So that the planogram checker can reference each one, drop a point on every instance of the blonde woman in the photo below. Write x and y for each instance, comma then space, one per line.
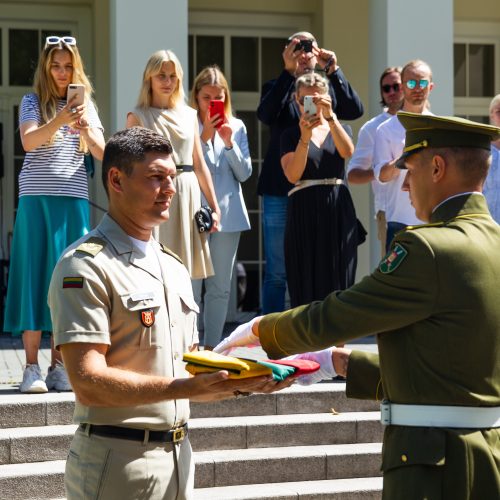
225, 149
53, 206
161, 107
322, 233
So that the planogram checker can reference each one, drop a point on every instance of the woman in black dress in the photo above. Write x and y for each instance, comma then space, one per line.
322, 232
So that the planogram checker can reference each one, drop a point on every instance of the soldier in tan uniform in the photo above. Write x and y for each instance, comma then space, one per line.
123, 314
434, 303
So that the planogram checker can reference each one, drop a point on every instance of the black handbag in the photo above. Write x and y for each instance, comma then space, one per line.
203, 219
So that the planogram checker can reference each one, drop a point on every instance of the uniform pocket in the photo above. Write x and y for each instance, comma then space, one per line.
408, 446
141, 311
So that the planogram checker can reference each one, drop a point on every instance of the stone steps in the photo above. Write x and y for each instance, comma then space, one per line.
34, 444
46, 480
278, 446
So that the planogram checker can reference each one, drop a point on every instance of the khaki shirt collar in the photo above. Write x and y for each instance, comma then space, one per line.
122, 245
463, 204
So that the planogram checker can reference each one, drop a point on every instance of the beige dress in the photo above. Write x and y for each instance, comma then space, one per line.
180, 233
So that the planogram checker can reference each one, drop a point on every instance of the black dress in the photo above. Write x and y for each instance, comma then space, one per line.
322, 232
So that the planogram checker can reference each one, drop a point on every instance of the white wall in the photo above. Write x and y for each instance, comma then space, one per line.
137, 29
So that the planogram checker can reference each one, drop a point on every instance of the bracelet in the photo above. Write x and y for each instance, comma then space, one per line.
306, 144
228, 149
329, 119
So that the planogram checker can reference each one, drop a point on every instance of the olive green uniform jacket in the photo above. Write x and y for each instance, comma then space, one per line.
434, 302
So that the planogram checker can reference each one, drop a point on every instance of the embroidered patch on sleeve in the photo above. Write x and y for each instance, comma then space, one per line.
393, 259
73, 282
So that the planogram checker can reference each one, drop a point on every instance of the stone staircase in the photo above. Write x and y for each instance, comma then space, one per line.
302, 443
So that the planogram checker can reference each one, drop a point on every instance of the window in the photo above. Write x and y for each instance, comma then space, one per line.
476, 53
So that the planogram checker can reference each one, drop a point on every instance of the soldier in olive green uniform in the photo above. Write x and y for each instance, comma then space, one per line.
434, 302
123, 314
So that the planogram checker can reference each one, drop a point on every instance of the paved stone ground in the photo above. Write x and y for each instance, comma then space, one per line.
12, 357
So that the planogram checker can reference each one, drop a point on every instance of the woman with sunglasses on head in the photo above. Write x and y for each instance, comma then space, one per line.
225, 148
322, 232
161, 107
53, 208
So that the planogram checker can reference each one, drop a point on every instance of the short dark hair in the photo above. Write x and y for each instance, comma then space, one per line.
473, 163
130, 146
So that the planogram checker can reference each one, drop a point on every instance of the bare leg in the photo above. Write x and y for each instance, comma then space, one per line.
55, 355
31, 341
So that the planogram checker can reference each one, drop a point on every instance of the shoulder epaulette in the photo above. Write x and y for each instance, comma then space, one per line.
419, 226
167, 250
92, 246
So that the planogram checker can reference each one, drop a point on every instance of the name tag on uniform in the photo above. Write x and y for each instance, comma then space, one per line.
137, 296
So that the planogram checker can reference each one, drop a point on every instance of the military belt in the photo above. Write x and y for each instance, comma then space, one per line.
462, 417
143, 435
315, 182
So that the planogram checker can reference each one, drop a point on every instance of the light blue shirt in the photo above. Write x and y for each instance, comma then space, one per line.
491, 188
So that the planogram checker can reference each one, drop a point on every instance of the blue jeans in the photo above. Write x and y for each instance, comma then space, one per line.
392, 229
274, 221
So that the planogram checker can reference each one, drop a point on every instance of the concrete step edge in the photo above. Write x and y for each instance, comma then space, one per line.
336, 489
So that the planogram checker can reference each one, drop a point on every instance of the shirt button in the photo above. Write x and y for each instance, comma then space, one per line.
404, 458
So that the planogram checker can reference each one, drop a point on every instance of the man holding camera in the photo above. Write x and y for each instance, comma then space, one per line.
278, 110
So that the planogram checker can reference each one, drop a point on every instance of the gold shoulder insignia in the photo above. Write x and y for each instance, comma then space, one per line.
167, 250
92, 246
434, 224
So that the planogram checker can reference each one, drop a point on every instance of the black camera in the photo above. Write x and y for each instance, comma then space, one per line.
307, 45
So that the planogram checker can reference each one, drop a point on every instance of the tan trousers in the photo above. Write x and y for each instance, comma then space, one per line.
381, 231
109, 468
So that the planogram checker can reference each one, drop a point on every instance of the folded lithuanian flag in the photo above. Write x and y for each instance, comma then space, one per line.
209, 361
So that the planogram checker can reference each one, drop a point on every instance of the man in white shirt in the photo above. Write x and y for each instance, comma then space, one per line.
491, 188
389, 143
360, 168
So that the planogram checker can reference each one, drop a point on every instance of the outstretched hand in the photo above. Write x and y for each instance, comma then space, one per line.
242, 336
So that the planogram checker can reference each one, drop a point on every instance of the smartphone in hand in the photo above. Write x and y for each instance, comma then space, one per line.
217, 108
76, 89
309, 106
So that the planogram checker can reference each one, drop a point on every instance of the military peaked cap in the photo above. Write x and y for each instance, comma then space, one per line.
429, 131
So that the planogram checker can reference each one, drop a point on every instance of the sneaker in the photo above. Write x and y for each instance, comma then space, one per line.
57, 378
32, 380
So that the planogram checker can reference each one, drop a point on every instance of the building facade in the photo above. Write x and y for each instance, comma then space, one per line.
460, 40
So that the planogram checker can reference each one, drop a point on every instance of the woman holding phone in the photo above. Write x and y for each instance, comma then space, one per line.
322, 232
53, 208
225, 149
161, 108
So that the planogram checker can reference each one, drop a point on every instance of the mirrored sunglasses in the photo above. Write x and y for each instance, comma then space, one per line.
54, 40
411, 84
387, 88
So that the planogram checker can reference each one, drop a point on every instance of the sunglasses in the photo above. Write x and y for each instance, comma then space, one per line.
394, 86
411, 84
55, 40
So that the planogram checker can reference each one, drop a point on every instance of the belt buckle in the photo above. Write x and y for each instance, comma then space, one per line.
178, 434
385, 412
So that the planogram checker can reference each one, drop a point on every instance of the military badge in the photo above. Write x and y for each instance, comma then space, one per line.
147, 317
73, 282
393, 259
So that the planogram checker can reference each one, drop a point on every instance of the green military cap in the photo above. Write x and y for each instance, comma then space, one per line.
429, 131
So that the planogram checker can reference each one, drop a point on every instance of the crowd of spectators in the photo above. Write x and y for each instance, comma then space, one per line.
311, 232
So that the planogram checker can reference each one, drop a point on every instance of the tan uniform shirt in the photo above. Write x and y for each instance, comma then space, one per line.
105, 291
